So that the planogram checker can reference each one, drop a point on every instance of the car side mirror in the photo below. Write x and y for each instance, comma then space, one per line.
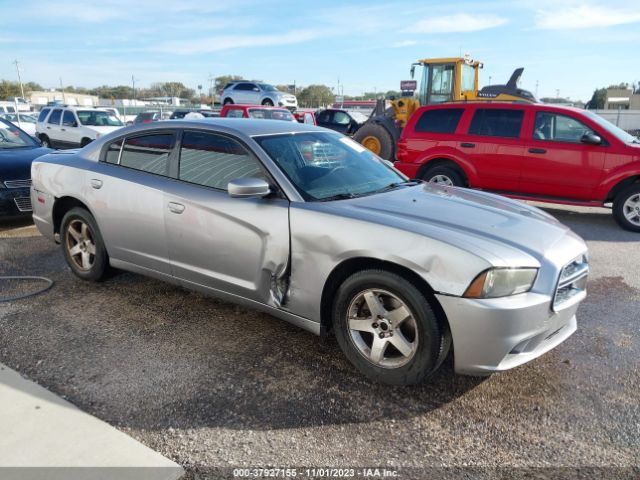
249, 187
591, 139
74, 124
256, 89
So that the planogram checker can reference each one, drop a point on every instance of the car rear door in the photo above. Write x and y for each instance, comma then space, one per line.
235, 245
126, 191
494, 147
557, 163
69, 130
52, 127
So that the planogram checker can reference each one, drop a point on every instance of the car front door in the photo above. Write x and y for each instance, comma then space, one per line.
493, 145
558, 163
69, 133
235, 245
126, 191
52, 127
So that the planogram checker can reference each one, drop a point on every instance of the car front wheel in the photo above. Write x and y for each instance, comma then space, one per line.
386, 327
626, 208
444, 175
83, 246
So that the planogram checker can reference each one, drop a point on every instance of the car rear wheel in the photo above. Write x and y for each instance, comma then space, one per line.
267, 102
387, 328
444, 175
83, 246
626, 208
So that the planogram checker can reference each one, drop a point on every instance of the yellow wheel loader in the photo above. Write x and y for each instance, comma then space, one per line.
441, 80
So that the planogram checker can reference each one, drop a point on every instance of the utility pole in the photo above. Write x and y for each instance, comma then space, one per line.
536, 88
17, 64
133, 86
64, 100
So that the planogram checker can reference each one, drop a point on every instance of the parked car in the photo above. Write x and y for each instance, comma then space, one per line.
23, 104
234, 209
342, 121
256, 111
23, 120
17, 151
182, 113
527, 151
306, 116
255, 93
148, 117
72, 127
7, 107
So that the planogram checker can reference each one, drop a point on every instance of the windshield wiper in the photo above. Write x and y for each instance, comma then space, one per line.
394, 185
339, 196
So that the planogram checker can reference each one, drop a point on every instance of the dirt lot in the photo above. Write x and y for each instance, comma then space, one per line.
214, 386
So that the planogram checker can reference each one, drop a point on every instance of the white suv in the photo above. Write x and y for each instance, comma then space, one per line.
254, 93
72, 127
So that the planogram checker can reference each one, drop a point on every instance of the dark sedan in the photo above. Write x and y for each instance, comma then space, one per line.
17, 151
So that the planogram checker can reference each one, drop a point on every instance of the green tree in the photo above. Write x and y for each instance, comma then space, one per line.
597, 99
315, 96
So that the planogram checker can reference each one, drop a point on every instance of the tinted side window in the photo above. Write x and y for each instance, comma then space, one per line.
43, 114
443, 120
113, 152
149, 153
341, 118
68, 118
323, 117
214, 160
55, 116
244, 86
559, 128
496, 122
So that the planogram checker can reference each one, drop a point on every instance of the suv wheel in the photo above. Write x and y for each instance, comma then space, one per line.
83, 246
387, 329
267, 102
44, 140
626, 208
444, 175
227, 101
85, 142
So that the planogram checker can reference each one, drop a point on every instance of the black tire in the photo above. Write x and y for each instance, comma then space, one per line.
432, 339
267, 102
444, 171
85, 142
44, 140
99, 260
227, 101
628, 194
384, 137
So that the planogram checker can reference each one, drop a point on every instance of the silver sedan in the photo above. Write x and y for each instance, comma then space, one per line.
307, 225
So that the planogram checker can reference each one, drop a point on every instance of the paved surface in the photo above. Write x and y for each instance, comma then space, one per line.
209, 384
40, 429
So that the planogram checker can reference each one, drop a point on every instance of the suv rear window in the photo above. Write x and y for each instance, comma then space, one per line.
496, 122
442, 120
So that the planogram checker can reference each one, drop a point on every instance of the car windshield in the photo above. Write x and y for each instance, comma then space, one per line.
267, 113
358, 116
328, 166
268, 88
611, 128
13, 137
97, 118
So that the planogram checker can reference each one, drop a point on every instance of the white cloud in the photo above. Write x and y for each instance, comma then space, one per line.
584, 16
228, 42
404, 43
460, 22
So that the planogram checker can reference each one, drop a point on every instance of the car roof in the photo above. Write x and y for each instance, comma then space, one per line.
243, 106
505, 105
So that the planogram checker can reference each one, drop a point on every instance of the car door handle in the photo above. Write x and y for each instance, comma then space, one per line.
537, 150
48, 128
63, 129
95, 183
176, 207
467, 145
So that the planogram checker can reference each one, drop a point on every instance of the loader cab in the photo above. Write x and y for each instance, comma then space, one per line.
446, 79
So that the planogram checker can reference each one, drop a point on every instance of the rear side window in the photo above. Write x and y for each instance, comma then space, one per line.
68, 119
55, 116
214, 160
496, 122
148, 153
442, 120
113, 152
43, 114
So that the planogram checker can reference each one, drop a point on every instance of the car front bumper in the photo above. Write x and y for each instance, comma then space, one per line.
15, 202
492, 335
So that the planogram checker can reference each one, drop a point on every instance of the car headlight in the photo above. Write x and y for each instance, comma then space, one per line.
501, 282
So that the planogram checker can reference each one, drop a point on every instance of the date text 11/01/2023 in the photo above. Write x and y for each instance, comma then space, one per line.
374, 472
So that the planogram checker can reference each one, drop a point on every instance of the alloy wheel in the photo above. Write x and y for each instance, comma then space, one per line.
441, 180
631, 209
382, 328
80, 245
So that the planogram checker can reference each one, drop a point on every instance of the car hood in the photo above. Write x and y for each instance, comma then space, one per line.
16, 163
493, 226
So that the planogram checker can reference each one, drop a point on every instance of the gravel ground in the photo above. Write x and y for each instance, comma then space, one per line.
211, 385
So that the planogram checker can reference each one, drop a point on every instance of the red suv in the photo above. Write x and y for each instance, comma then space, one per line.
526, 151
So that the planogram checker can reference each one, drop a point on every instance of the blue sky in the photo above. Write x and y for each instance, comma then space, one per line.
568, 45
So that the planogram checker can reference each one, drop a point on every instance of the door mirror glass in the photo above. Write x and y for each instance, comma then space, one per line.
248, 187
591, 139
